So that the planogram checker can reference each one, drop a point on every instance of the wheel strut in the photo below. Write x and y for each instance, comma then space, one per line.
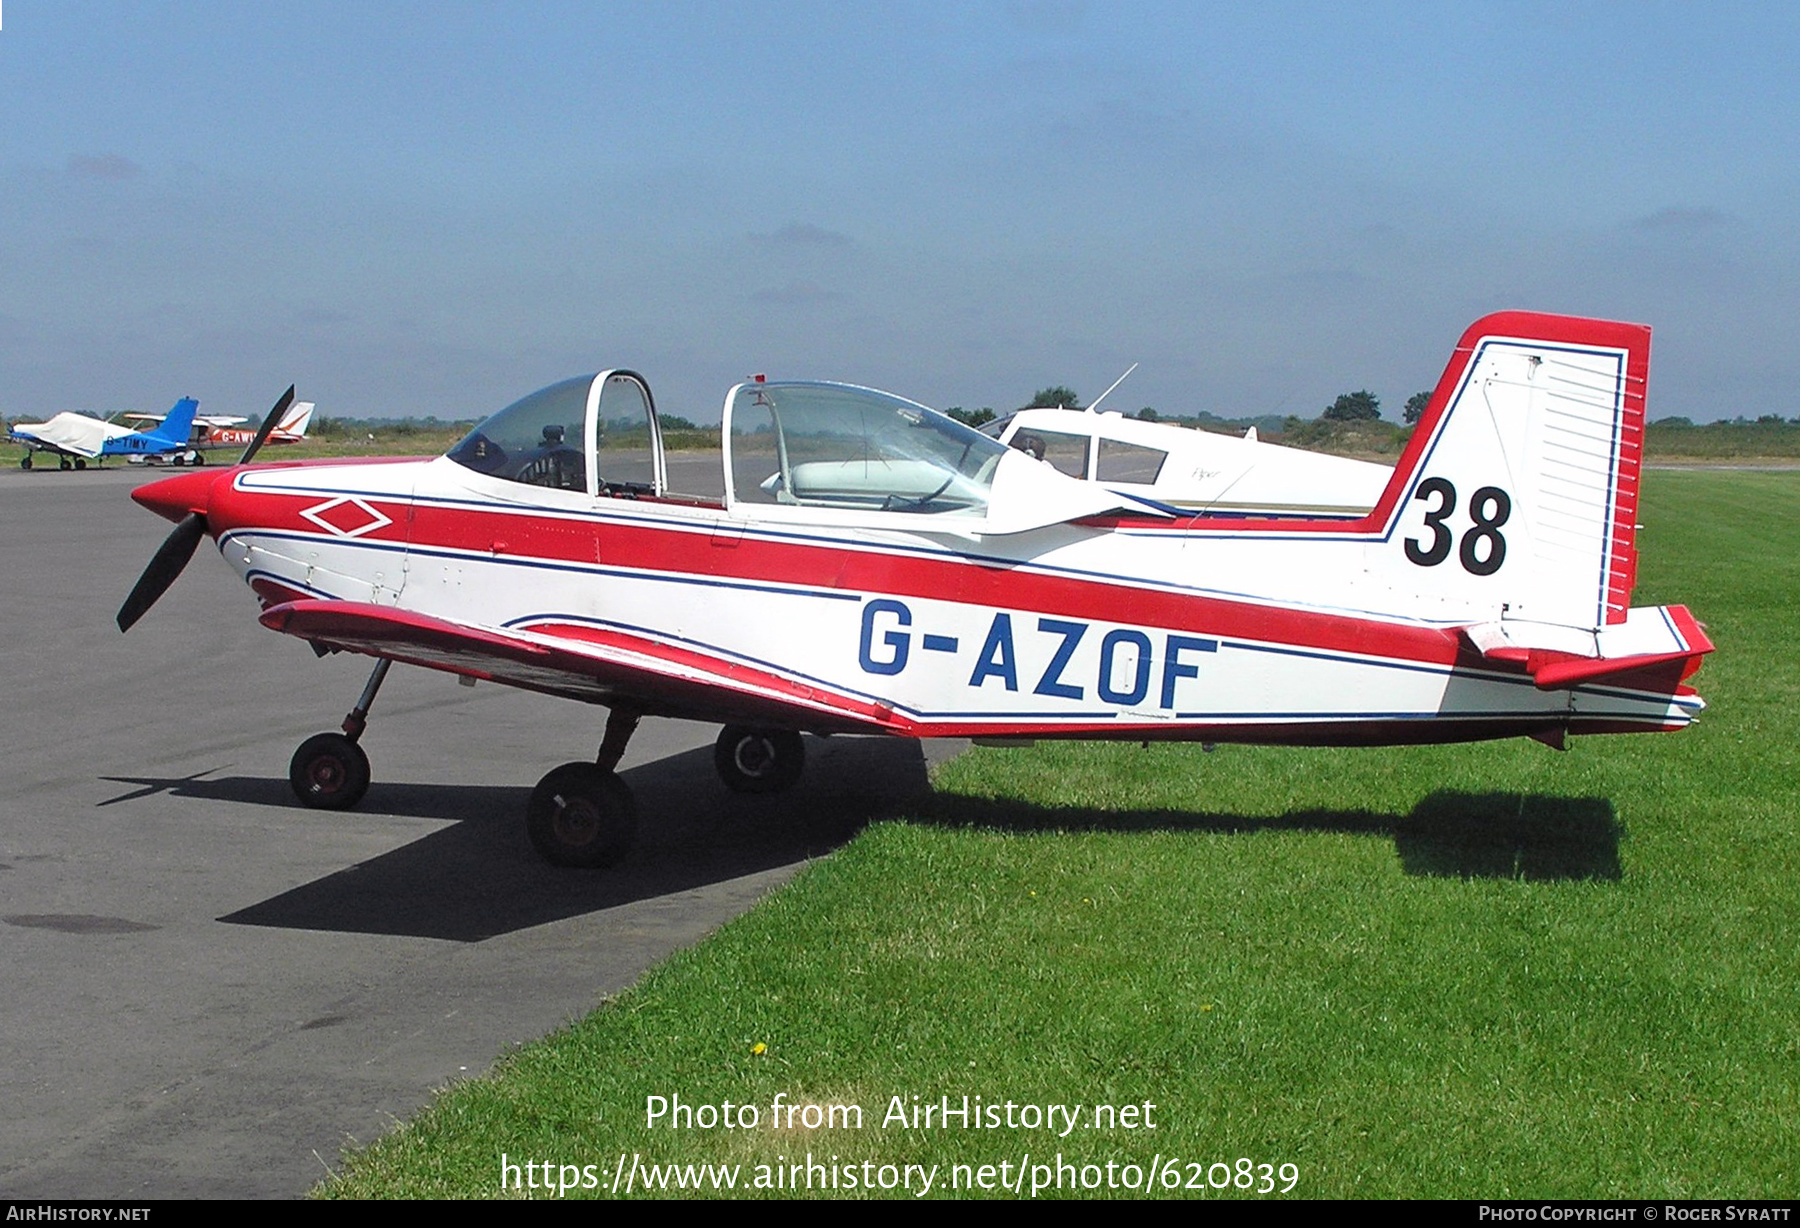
621, 723
358, 718
330, 771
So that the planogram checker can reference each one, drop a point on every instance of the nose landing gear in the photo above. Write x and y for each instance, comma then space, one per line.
330, 771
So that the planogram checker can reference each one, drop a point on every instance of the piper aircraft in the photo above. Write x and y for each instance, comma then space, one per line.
75, 439
874, 567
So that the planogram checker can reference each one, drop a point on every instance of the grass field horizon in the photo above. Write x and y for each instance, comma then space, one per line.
1674, 441
1469, 971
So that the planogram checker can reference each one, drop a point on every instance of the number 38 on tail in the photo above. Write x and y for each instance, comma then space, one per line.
874, 567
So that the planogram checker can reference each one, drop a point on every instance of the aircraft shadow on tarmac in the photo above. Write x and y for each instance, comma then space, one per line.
480, 877
1531, 836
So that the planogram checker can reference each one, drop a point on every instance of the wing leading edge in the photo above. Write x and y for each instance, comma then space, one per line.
597, 665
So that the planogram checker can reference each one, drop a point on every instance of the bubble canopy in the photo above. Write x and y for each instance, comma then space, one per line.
840, 446
594, 434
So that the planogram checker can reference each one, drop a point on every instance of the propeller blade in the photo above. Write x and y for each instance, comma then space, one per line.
178, 547
268, 424
170, 558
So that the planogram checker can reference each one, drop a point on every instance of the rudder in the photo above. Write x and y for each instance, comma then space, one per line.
1518, 492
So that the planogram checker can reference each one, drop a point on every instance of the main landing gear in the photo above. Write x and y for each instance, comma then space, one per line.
580, 814
758, 760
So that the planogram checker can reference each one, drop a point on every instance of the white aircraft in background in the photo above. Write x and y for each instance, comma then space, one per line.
1195, 470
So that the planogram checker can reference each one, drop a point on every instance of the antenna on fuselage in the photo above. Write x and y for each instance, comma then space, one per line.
1108, 392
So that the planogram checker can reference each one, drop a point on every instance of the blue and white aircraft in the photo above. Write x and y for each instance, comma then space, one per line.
75, 439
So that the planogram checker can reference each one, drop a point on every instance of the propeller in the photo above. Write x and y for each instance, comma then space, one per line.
268, 424
178, 547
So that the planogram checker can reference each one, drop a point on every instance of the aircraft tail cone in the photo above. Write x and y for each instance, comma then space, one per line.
178, 497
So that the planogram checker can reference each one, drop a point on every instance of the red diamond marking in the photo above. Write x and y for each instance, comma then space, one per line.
344, 517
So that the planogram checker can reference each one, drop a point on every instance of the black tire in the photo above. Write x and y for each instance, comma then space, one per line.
81, 462
25, 461
758, 760
582, 816
199, 459
329, 772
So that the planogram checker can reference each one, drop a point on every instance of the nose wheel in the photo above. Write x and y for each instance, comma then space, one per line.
329, 772
758, 760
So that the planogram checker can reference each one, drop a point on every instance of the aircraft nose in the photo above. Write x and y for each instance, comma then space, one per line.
175, 498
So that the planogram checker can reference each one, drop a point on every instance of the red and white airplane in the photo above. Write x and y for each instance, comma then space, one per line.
228, 431
874, 567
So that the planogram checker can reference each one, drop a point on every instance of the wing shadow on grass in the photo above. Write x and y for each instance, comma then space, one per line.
478, 876
1448, 834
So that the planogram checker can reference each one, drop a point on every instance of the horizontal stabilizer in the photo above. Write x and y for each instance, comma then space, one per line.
1559, 657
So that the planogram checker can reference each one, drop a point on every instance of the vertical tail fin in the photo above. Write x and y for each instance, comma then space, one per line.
296, 420
174, 429
1518, 492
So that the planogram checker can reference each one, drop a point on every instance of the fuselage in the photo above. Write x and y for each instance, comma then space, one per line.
874, 566
1106, 627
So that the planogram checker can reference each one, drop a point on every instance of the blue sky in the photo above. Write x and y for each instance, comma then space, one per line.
436, 208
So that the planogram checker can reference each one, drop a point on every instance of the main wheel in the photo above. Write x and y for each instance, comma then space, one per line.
758, 760
582, 816
81, 462
25, 461
329, 772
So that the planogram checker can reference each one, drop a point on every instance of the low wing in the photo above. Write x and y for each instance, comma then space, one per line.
75, 434
594, 664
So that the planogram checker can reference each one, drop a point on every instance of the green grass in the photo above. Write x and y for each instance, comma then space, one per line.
1488, 970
